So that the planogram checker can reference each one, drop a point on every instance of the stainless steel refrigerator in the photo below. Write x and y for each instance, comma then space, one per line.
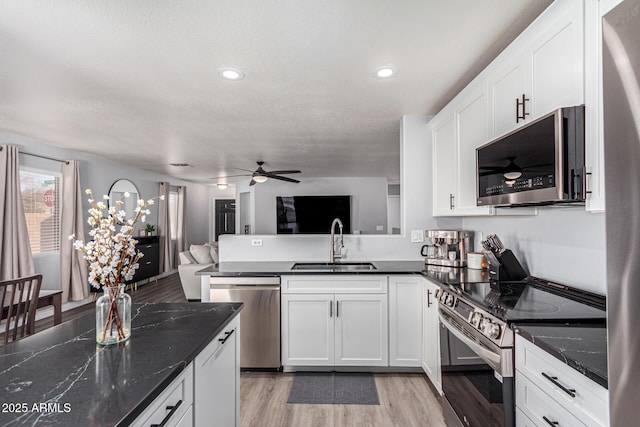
621, 90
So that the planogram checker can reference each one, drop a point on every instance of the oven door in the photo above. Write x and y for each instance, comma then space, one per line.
478, 381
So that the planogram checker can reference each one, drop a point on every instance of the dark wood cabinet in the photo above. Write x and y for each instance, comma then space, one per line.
150, 262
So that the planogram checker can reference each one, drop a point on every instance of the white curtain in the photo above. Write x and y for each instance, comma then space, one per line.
16, 259
73, 269
181, 223
164, 229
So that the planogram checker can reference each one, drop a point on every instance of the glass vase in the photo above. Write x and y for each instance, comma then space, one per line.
113, 316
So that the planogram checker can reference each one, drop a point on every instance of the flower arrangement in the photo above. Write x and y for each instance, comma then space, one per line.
111, 255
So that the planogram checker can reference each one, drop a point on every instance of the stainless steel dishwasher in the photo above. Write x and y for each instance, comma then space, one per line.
259, 319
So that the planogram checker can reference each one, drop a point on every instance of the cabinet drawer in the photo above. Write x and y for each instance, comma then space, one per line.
180, 393
540, 407
589, 401
334, 284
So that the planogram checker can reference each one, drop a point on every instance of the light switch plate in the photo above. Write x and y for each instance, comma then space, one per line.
417, 236
256, 242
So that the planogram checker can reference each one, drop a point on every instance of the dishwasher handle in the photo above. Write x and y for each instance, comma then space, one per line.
248, 287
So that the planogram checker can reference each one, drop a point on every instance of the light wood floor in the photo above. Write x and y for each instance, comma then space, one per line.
406, 400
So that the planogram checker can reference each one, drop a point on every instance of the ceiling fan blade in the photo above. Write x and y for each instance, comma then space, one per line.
282, 178
283, 172
252, 182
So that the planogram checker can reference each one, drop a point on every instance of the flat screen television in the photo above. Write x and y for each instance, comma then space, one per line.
312, 214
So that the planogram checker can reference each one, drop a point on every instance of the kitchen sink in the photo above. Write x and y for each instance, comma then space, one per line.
334, 266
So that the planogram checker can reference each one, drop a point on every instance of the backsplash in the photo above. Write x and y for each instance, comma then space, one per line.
566, 245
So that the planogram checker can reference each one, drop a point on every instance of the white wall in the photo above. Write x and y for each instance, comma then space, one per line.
368, 200
566, 245
99, 174
416, 208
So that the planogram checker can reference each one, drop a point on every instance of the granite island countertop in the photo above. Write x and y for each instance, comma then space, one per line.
583, 347
87, 384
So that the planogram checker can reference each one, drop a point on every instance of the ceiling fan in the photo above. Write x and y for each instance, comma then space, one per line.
260, 175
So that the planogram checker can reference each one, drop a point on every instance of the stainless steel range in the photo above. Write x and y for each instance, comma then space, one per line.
476, 319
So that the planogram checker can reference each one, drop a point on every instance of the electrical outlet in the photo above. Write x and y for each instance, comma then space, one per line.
379, 227
256, 242
417, 236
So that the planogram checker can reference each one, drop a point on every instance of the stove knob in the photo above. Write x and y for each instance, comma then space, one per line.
492, 329
450, 300
476, 318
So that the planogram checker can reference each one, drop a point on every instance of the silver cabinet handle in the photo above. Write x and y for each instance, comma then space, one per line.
330, 308
451, 199
171, 410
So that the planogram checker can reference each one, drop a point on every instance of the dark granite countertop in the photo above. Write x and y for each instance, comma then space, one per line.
278, 268
90, 385
583, 347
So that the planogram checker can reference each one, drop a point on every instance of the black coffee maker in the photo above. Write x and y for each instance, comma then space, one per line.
503, 264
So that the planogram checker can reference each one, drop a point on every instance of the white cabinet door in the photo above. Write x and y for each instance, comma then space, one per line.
557, 65
361, 330
405, 320
444, 165
308, 329
431, 335
472, 119
217, 380
506, 86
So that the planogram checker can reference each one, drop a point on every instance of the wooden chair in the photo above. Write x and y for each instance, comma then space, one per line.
19, 300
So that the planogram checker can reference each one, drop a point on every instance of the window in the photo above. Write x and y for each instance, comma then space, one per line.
41, 200
173, 214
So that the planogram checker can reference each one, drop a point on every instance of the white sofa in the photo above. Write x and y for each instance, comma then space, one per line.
196, 258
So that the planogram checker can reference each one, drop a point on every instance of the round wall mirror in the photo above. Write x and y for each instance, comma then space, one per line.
116, 192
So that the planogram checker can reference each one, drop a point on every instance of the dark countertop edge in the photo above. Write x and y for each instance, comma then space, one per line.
582, 369
153, 394
380, 269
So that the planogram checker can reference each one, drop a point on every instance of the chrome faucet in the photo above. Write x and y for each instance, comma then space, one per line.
333, 255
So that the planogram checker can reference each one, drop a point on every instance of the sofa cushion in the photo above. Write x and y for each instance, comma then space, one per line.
186, 258
201, 253
213, 250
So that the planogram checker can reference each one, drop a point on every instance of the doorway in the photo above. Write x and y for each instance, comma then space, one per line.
225, 214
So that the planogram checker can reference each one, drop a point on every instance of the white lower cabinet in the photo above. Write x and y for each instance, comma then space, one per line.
187, 419
431, 335
334, 330
217, 380
170, 407
330, 320
549, 392
405, 320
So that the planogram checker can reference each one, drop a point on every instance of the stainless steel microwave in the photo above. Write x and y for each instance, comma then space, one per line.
541, 163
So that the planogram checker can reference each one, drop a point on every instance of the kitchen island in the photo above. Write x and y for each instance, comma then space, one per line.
60, 376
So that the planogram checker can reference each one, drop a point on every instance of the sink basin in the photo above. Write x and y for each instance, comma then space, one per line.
334, 266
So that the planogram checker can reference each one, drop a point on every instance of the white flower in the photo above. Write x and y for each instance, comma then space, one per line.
105, 197
162, 197
127, 194
87, 191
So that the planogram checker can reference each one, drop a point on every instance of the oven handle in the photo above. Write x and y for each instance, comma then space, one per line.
492, 359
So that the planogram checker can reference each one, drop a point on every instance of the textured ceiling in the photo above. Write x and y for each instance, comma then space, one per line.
137, 80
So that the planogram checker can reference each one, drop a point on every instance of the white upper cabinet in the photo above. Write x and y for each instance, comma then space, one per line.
444, 165
472, 120
506, 87
557, 60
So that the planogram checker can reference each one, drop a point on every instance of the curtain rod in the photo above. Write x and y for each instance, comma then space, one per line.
42, 157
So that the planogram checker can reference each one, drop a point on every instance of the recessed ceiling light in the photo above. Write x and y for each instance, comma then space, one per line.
231, 74
222, 186
385, 72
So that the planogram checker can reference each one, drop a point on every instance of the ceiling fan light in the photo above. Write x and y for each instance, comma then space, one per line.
222, 186
510, 182
260, 179
513, 175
